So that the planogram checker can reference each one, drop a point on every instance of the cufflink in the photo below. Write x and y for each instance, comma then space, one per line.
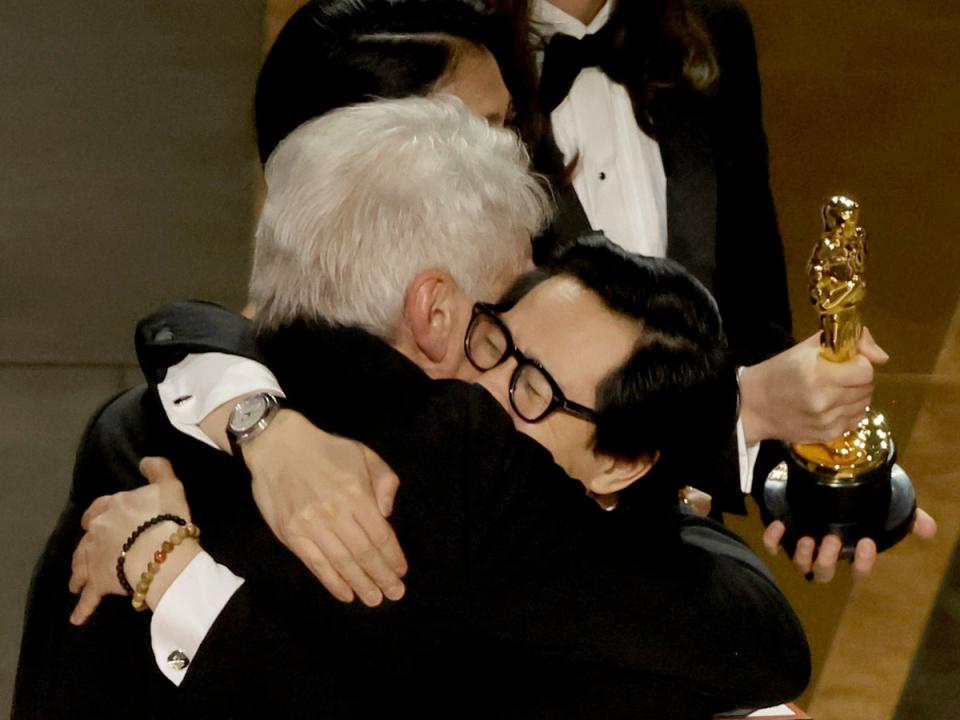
178, 660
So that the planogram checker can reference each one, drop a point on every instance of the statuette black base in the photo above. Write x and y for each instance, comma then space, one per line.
880, 505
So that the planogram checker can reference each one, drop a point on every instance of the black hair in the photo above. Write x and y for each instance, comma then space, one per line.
333, 53
663, 44
676, 395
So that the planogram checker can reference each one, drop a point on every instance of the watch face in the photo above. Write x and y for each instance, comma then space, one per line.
248, 413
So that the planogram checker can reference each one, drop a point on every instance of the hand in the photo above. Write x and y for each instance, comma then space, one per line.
823, 562
108, 523
697, 500
800, 397
327, 498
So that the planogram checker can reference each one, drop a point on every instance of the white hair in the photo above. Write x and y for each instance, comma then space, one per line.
361, 200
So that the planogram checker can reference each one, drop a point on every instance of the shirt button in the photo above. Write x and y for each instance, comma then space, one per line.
178, 660
603, 176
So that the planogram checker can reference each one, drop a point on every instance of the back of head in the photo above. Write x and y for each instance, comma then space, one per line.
333, 53
361, 200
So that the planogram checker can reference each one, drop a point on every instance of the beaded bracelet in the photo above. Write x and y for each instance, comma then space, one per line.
183, 532
156, 520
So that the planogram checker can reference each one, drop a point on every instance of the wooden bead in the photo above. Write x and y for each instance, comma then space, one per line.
153, 568
159, 556
166, 548
175, 539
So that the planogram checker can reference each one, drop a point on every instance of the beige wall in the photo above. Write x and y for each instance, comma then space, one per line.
126, 181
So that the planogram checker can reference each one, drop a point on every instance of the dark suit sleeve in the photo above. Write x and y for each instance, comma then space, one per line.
167, 336
751, 277
254, 664
751, 283
66, 671
597, 590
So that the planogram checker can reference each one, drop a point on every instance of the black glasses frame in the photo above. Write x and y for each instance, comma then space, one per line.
558, 401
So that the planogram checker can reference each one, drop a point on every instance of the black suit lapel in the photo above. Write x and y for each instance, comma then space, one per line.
688, 162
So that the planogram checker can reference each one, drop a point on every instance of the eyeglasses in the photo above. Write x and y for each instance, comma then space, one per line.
534, 394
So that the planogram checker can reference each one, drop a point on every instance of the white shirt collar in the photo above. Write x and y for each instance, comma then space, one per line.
548, 19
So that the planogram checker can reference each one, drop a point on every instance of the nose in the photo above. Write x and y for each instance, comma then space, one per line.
497, 383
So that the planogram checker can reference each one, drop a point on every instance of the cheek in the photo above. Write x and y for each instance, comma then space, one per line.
559, 436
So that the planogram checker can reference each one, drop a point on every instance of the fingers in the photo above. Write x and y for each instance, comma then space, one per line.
97, 507
385, 486
318, 564
697, 500
924, 526
803, 555
78, 567
825, 566
833, 425
865, 557
370, 561
342, 560
870, 350
89, 599
383, 542
856, 372
157, 470
773, 535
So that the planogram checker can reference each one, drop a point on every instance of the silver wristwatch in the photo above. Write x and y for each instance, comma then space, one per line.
250, 417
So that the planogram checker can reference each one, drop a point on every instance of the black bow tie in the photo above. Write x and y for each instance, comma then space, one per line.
565, 56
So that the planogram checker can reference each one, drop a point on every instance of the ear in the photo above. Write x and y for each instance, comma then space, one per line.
431, 314
616, 473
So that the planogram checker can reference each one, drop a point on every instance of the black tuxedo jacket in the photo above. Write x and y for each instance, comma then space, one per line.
721, 221
524, 599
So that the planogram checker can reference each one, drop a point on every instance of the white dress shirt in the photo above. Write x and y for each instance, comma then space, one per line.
187, 611
619, 178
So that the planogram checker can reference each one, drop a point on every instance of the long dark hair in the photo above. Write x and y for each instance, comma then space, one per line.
663, 44
333, 53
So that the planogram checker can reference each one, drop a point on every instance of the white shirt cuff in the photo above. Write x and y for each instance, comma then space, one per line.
747, 454
748, 459
187, 611
200, 383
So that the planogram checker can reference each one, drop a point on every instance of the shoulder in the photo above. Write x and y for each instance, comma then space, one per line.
482, 420
494, 451
112, 444
712, 537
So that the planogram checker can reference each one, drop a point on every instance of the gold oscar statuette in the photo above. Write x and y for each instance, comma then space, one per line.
851, 486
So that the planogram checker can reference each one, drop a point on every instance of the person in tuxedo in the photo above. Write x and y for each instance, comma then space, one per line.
520, 579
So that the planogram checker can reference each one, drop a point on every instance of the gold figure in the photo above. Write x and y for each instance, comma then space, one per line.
838, 287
